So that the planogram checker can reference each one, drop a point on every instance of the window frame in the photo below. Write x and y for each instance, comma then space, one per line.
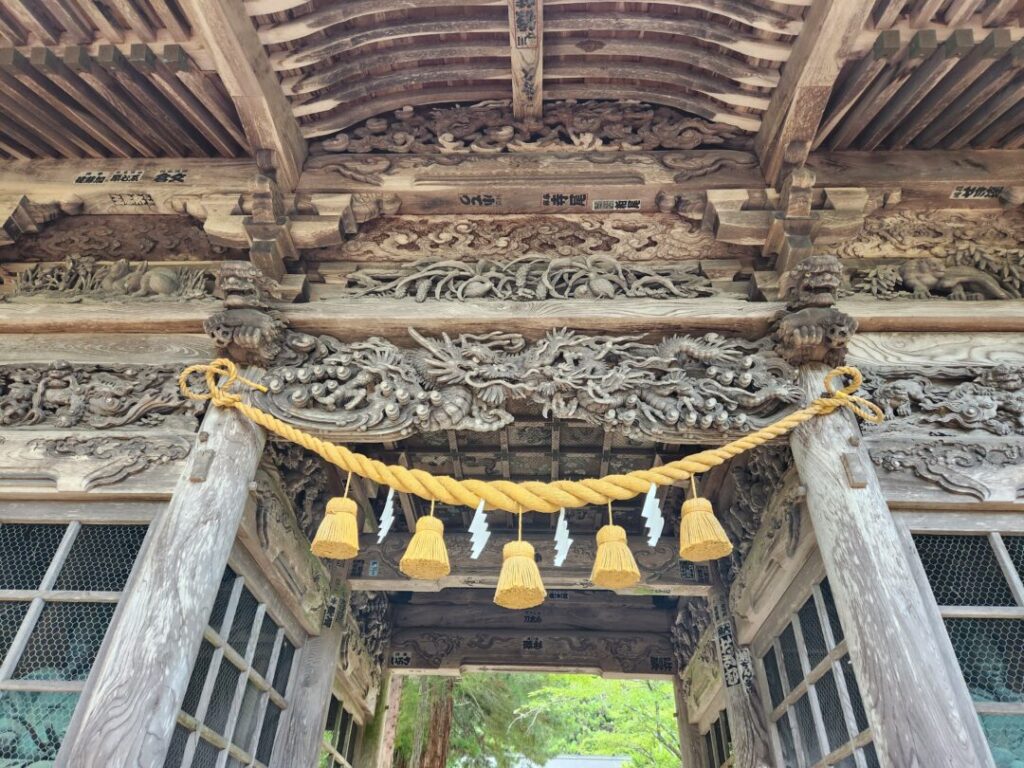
805, 585
992, 526
249, 576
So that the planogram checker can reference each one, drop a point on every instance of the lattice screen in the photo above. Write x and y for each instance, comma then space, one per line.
816, 710
976, 580
59, 586
718, 742
341, 737
238, 690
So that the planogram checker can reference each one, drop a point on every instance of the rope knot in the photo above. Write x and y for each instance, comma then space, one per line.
845, 398
216, 392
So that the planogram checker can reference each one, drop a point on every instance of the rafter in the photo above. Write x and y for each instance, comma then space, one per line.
797, 105
244, 68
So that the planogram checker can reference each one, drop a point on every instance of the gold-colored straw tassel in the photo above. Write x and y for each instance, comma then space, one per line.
426, 557
337, 537
701, 536
614, 566
519, 585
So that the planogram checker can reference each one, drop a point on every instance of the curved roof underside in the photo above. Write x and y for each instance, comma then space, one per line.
340, 64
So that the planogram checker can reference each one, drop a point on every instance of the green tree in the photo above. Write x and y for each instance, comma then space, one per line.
635, 718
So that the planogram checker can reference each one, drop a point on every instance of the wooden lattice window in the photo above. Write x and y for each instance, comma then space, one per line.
238, 690
976, 580
59, 587
718, 742
817, 716
341, 737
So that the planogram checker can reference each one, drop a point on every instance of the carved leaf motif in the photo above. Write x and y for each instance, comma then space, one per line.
123, 457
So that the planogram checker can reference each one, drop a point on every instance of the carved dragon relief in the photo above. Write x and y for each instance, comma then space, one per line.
529, 278
374, 390
489, 127
666, 239
94, 396
951, 400
950, 465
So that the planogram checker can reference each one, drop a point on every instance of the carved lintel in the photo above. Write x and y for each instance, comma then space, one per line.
666, 390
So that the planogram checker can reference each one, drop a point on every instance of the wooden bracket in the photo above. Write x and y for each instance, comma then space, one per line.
856, 473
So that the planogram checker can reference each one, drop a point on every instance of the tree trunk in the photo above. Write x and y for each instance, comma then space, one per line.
435, 753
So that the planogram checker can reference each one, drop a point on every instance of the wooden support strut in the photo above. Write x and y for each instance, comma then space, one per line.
917, 704
526, 38
127, 714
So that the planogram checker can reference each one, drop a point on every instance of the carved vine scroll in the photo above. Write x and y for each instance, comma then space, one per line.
665, 390
530, 278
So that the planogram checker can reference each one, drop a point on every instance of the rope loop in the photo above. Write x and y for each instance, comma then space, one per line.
217, 392
846, 398
531, 496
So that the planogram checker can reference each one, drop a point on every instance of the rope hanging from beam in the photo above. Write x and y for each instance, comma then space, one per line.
701, 536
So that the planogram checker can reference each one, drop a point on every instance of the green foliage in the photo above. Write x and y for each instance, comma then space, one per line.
498, 717
635, 718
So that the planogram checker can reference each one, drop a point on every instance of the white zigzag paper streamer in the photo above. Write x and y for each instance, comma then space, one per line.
562, 540
387, 517
481, 533
654, 521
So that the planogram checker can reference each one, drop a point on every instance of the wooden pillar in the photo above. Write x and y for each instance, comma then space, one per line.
747, 721
691, 746
379, 739
917, 704
298, 743
127, 714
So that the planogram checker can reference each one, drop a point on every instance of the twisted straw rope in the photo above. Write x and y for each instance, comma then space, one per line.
531, 496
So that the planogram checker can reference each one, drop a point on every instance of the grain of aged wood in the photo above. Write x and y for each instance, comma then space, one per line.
300, 735
918, 710
140, 678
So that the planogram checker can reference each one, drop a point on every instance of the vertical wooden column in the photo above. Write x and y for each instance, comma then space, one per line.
298, 743
691, 749
127, 715
917, 705
378, 745
747, 720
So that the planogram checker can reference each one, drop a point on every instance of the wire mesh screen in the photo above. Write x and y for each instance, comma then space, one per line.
963, 570
815, 699
1005, 735
991, 656
238, 686
69, 577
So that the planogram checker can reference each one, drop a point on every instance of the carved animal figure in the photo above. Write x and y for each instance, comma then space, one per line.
927, 277
814, 283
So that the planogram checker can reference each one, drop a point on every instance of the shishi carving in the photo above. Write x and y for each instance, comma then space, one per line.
813, 330
949, 400
96, 396
246, 331
490, 127
376, 390
931, 277
83, 279
530, 278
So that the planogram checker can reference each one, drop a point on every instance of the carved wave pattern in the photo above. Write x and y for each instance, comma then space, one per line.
667, 390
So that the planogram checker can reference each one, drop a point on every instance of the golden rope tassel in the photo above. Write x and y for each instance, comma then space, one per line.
337, 537
614, 566
701, 536
426, 557
519, 585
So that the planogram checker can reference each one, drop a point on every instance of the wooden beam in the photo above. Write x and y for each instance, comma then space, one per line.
794, 114
526, 38
245, 70
899, 662
376, 567
138, 682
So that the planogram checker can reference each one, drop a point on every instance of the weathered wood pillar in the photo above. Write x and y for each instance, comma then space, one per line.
128, 713
379, 739
298, 743
691, 749
747, 722
916, 702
